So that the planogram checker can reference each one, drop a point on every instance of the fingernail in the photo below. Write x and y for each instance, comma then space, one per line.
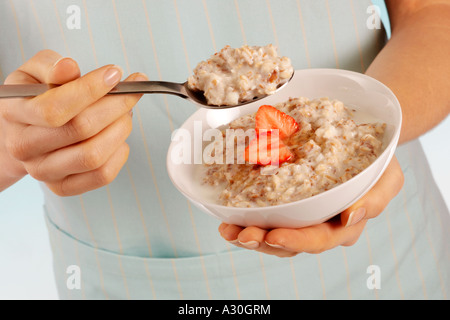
57, 61
275, 245
112, 76
356, 216
250, 244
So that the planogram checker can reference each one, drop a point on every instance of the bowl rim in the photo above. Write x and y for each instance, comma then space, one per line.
390, 148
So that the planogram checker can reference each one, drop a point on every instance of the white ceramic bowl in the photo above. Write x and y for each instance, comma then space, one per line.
354, 89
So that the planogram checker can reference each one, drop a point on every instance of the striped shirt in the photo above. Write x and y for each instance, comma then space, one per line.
139, 237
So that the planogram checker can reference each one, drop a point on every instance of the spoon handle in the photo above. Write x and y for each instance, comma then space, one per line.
31, 90
23, 90
149, 87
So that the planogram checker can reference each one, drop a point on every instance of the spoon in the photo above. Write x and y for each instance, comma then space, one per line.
179, 89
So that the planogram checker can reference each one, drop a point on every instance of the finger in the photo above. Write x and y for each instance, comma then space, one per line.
105, 111
253, 238
80, 183
222, 227
314, 239
82, 157
57, 106
83, 126
230, 232
64, 70
46, 66
377, 198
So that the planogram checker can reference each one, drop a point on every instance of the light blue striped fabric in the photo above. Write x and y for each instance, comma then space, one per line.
138, 237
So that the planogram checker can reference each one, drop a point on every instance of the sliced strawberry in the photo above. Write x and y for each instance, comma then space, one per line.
268, 117
267, 149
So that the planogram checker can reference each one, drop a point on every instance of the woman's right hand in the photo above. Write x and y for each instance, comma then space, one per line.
72, 137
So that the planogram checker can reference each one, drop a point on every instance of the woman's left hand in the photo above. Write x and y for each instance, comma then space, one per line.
343, 230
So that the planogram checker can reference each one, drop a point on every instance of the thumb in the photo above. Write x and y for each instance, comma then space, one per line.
63, 70
377, 198
46, 66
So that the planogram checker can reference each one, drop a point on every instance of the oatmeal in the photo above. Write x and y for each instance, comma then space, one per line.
325, 149
232, 76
